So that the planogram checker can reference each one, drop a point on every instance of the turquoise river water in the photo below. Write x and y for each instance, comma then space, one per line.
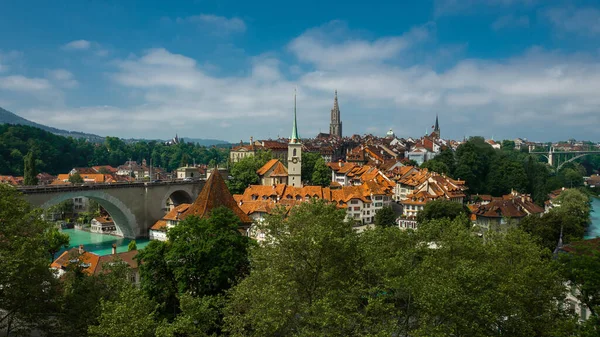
100, 244
594, 228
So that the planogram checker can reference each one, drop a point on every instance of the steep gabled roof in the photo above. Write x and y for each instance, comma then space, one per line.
266, 167
215, 194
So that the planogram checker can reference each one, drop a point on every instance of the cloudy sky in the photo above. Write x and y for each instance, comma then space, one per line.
227, 69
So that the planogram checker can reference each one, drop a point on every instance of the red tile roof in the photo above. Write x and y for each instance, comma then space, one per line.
215, 194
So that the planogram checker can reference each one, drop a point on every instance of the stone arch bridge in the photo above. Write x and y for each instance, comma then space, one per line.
134, 207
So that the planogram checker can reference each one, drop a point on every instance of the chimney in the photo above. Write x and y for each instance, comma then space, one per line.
81, 249
114, 249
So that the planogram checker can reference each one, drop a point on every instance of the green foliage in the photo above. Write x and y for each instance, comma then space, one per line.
208, 255
27, 284
316, 276
156, 277
309, 159
132, 314
244, 172
385, 217
440, 209
572, 216
55, 241
76, 178
508, 145
30, 172
435, 166
303, 279
474, 158
200, 316
60, 154
582, 269
321, 174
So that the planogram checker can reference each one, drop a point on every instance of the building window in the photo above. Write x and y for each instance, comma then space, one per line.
294, 153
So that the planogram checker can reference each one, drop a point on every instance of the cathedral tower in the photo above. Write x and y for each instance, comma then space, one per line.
295, 154
335, 128
436, 129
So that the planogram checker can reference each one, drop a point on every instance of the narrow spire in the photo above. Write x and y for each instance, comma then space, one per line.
560, 243
295, 136
437, 124
335, 102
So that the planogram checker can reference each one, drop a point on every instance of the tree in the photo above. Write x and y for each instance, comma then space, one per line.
581, 267
56, 241
30, 172
321, 173
208, 255
304, 278
440, 209
309, 159
244, 172
385, 217
76, 178
132, 246
200, 316
27, 282
435, 166
459, 284
153, 265
508, 145
132, 314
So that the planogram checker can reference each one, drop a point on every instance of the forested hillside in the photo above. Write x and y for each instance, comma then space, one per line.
56, 154
7, 117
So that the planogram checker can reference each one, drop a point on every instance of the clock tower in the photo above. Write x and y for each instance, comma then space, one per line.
294, 154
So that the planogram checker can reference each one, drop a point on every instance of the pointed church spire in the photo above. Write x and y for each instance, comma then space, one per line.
437, 124
295, 136
335, 102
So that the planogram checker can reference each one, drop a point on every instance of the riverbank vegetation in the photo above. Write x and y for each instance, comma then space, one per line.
496, 172
56, 154
313, 276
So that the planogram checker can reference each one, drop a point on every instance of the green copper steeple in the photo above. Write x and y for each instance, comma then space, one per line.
295, 137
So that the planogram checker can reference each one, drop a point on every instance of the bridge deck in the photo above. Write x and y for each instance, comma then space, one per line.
98, 186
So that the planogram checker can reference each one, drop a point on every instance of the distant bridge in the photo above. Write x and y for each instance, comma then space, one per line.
554, 157
134, 207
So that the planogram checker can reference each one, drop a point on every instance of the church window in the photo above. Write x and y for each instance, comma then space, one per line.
294, 153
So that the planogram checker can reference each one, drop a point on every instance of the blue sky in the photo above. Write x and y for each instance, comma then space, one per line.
227, 69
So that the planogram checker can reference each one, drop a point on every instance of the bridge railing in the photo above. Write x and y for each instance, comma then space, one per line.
99, 186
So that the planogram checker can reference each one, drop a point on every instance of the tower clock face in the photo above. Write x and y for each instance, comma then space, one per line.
295, 160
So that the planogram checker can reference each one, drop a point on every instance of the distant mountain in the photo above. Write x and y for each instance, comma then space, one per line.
7, 117
205, 142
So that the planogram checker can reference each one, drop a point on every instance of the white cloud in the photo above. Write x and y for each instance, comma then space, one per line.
22, 83
63, 77
511, 21
6, 58
584, 21
520, 95
319, 46
219, 24
77, 45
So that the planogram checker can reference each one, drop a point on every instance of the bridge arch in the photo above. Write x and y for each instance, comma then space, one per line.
122, 216
176, 196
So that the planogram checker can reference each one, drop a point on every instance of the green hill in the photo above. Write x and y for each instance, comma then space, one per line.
7, 117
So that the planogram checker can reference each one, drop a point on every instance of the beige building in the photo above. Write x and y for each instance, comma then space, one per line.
273, 173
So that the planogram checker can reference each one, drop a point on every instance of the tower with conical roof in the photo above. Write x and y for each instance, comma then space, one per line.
436, 128
335, 128
295, 154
